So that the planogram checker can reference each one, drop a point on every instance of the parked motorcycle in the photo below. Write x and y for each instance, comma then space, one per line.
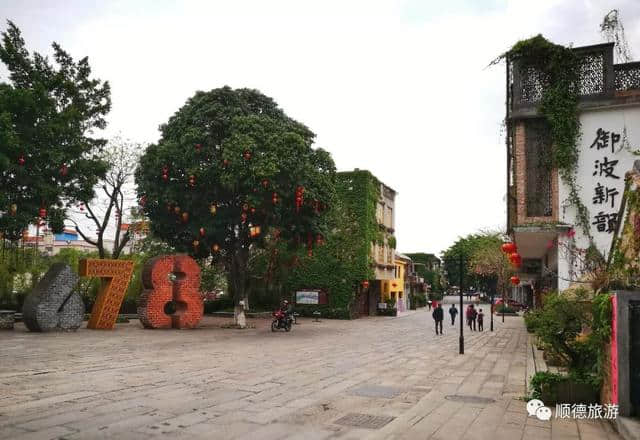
281, 321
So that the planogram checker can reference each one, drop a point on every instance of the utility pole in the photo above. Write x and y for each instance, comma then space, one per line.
461, 306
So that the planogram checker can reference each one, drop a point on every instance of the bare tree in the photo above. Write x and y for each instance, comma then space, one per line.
612, 31
115, 195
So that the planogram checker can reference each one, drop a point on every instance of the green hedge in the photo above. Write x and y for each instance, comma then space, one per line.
326, 311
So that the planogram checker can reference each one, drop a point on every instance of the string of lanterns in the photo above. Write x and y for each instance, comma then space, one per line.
514, 257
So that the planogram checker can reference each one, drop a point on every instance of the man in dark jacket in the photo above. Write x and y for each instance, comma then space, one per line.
453, 312
438, 317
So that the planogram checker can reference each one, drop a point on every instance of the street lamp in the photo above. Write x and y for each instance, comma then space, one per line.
460, 260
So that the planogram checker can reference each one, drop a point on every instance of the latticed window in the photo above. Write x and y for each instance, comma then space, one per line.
538, 159
381, 253
389, 255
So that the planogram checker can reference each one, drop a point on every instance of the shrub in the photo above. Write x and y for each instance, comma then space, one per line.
531, 320
218, 305
506, 309
388, 312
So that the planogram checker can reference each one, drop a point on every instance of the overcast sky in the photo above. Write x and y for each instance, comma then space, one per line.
399, 88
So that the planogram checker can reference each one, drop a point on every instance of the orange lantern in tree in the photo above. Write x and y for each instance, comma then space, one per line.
274, 198
265, 183
198, 147
42, 213
196, 243
176, 209
185, 217
365, 284
192, 180
202, 232
213, 209
515, 280
246, 155
225, 163
215, 247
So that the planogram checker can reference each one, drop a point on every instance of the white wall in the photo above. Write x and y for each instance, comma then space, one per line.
613, 121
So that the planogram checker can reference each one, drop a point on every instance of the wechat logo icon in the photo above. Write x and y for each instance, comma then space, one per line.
535, 407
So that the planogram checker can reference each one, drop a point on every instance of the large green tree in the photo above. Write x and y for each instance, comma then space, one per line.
465, 248
48, 156
229, 162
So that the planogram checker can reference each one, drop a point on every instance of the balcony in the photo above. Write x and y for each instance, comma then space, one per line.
602, 83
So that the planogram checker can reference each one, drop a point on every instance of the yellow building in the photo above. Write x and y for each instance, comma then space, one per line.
395, 288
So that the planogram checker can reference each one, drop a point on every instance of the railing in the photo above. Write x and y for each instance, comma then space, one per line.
598, 78
627, 76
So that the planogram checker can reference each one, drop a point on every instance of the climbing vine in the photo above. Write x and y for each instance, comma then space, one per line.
558, 70
345, 260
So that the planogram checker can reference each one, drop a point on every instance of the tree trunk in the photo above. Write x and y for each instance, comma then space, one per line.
238, 285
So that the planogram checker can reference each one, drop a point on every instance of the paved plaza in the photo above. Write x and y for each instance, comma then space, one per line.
379, 378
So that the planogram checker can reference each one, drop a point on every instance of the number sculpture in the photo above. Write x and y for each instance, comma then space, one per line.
52, 304
115, 275
171, 295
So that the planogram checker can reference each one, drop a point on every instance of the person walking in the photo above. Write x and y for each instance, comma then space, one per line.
467, 315
429, 304
474, 315
480, 320
453, 312
438, 317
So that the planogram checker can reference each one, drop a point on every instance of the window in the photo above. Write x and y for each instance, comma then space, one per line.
538, 158
389, 222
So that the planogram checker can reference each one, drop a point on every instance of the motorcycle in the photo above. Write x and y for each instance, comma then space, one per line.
281, 321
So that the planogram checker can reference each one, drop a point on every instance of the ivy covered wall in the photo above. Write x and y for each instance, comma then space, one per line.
344, 261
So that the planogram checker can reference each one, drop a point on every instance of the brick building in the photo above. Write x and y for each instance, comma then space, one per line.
540, 218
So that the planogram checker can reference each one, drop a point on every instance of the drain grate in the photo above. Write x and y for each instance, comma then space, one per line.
469, 399
367, 421
377, 391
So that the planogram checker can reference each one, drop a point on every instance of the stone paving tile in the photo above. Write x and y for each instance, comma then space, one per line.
216, 383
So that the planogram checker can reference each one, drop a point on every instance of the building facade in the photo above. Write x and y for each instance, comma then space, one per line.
553, 236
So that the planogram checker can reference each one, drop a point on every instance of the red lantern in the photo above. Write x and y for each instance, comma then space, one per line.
165, 177
274, 198
21, 160
319, 239
42, 213
64, 170
515, 258
198, 147
81, 206
202, 232
515, 280
215, 247
143, 200
246, 154
192, 180
310, 253
243, 217
225, 163
252, 210
509, 248
245, 206
365, 284
265, 183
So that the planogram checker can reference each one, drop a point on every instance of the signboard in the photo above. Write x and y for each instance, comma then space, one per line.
382, 305
307, 297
